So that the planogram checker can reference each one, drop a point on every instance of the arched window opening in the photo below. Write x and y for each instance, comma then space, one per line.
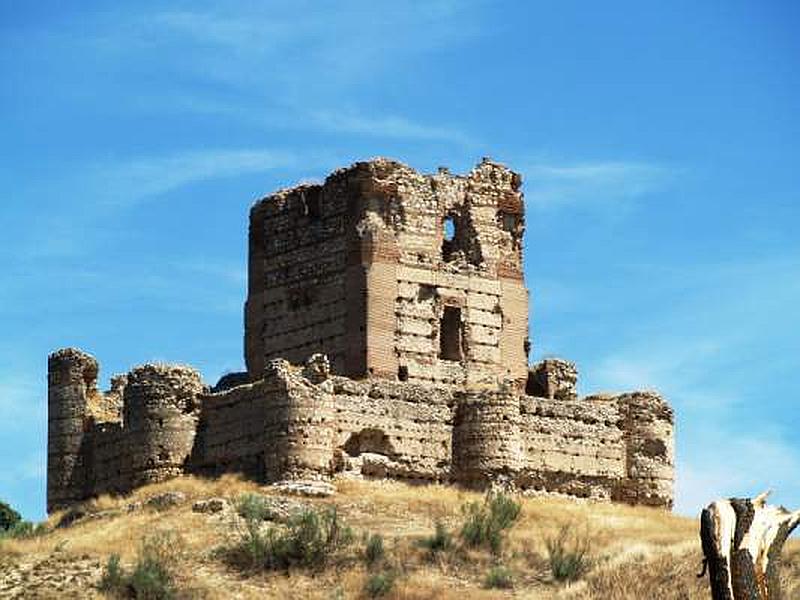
449, 229
369, 440
449, 241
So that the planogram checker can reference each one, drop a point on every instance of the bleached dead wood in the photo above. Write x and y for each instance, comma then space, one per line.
742, 542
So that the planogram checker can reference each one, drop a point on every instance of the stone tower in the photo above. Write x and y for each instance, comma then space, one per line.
392, 274
386, 336
72, 381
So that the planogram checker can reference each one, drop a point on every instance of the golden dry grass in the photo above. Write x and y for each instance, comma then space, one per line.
636, 552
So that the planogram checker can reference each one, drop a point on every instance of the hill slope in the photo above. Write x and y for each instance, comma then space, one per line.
635, 552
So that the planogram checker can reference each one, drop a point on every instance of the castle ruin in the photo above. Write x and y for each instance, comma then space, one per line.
386, 335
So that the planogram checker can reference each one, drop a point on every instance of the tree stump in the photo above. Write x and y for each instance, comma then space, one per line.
742, 542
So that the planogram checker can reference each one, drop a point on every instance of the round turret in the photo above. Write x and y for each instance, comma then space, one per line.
160, 415
486, 437
300, 441
71, 381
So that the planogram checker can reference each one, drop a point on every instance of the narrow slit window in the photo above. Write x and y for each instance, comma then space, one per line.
449, 239
312, 201
449, 229
450, 334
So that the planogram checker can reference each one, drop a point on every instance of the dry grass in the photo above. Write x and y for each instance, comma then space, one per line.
636, 552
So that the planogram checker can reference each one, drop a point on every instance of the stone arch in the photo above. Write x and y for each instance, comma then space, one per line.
371, 440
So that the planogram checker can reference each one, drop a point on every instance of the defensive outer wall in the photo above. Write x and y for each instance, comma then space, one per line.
408, 346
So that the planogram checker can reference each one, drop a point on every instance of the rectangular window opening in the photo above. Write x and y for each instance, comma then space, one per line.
450, 334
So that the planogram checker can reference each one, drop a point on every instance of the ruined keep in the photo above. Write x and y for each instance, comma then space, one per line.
386, 335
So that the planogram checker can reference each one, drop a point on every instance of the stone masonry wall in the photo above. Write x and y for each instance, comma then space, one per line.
302, 422
392, 429
297, 301
363, 268
406, 291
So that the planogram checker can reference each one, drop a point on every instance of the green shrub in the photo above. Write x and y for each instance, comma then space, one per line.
441, 541
113, 579
374, 551
309, 540
252, 508
485, 523
8, 517
499, 577
568, 554
379, 584
152, 576
254, 544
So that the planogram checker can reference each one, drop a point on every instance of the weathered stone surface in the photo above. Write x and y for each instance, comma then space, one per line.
386, 336
308, 488
364, 267
553, 378
57, 575
166, 499
210, 505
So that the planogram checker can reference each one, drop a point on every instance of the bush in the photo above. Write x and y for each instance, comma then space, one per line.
485, 523
255, 545
152, 576
379, 584
113, 579
8, 517
441, 541
568, 555
499, 577
252, 508
374, 551
310, 539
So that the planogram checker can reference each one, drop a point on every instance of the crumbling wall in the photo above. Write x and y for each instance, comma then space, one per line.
648, 423
231, 430
361, 268
572, 447
392, 429
108, 460
553, 378
301, 422
72, 380
160, 415
297, 275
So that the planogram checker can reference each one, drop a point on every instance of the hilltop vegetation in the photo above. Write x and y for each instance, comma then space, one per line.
192, 538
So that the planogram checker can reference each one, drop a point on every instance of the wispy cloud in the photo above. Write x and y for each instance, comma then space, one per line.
126, 182
390, 126
598, 184
31, 467
22, 400
291, 65
721, 465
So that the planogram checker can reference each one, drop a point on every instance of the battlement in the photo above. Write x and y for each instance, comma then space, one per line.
304, 422
386, 335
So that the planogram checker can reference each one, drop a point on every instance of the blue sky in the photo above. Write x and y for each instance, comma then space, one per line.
658, 144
